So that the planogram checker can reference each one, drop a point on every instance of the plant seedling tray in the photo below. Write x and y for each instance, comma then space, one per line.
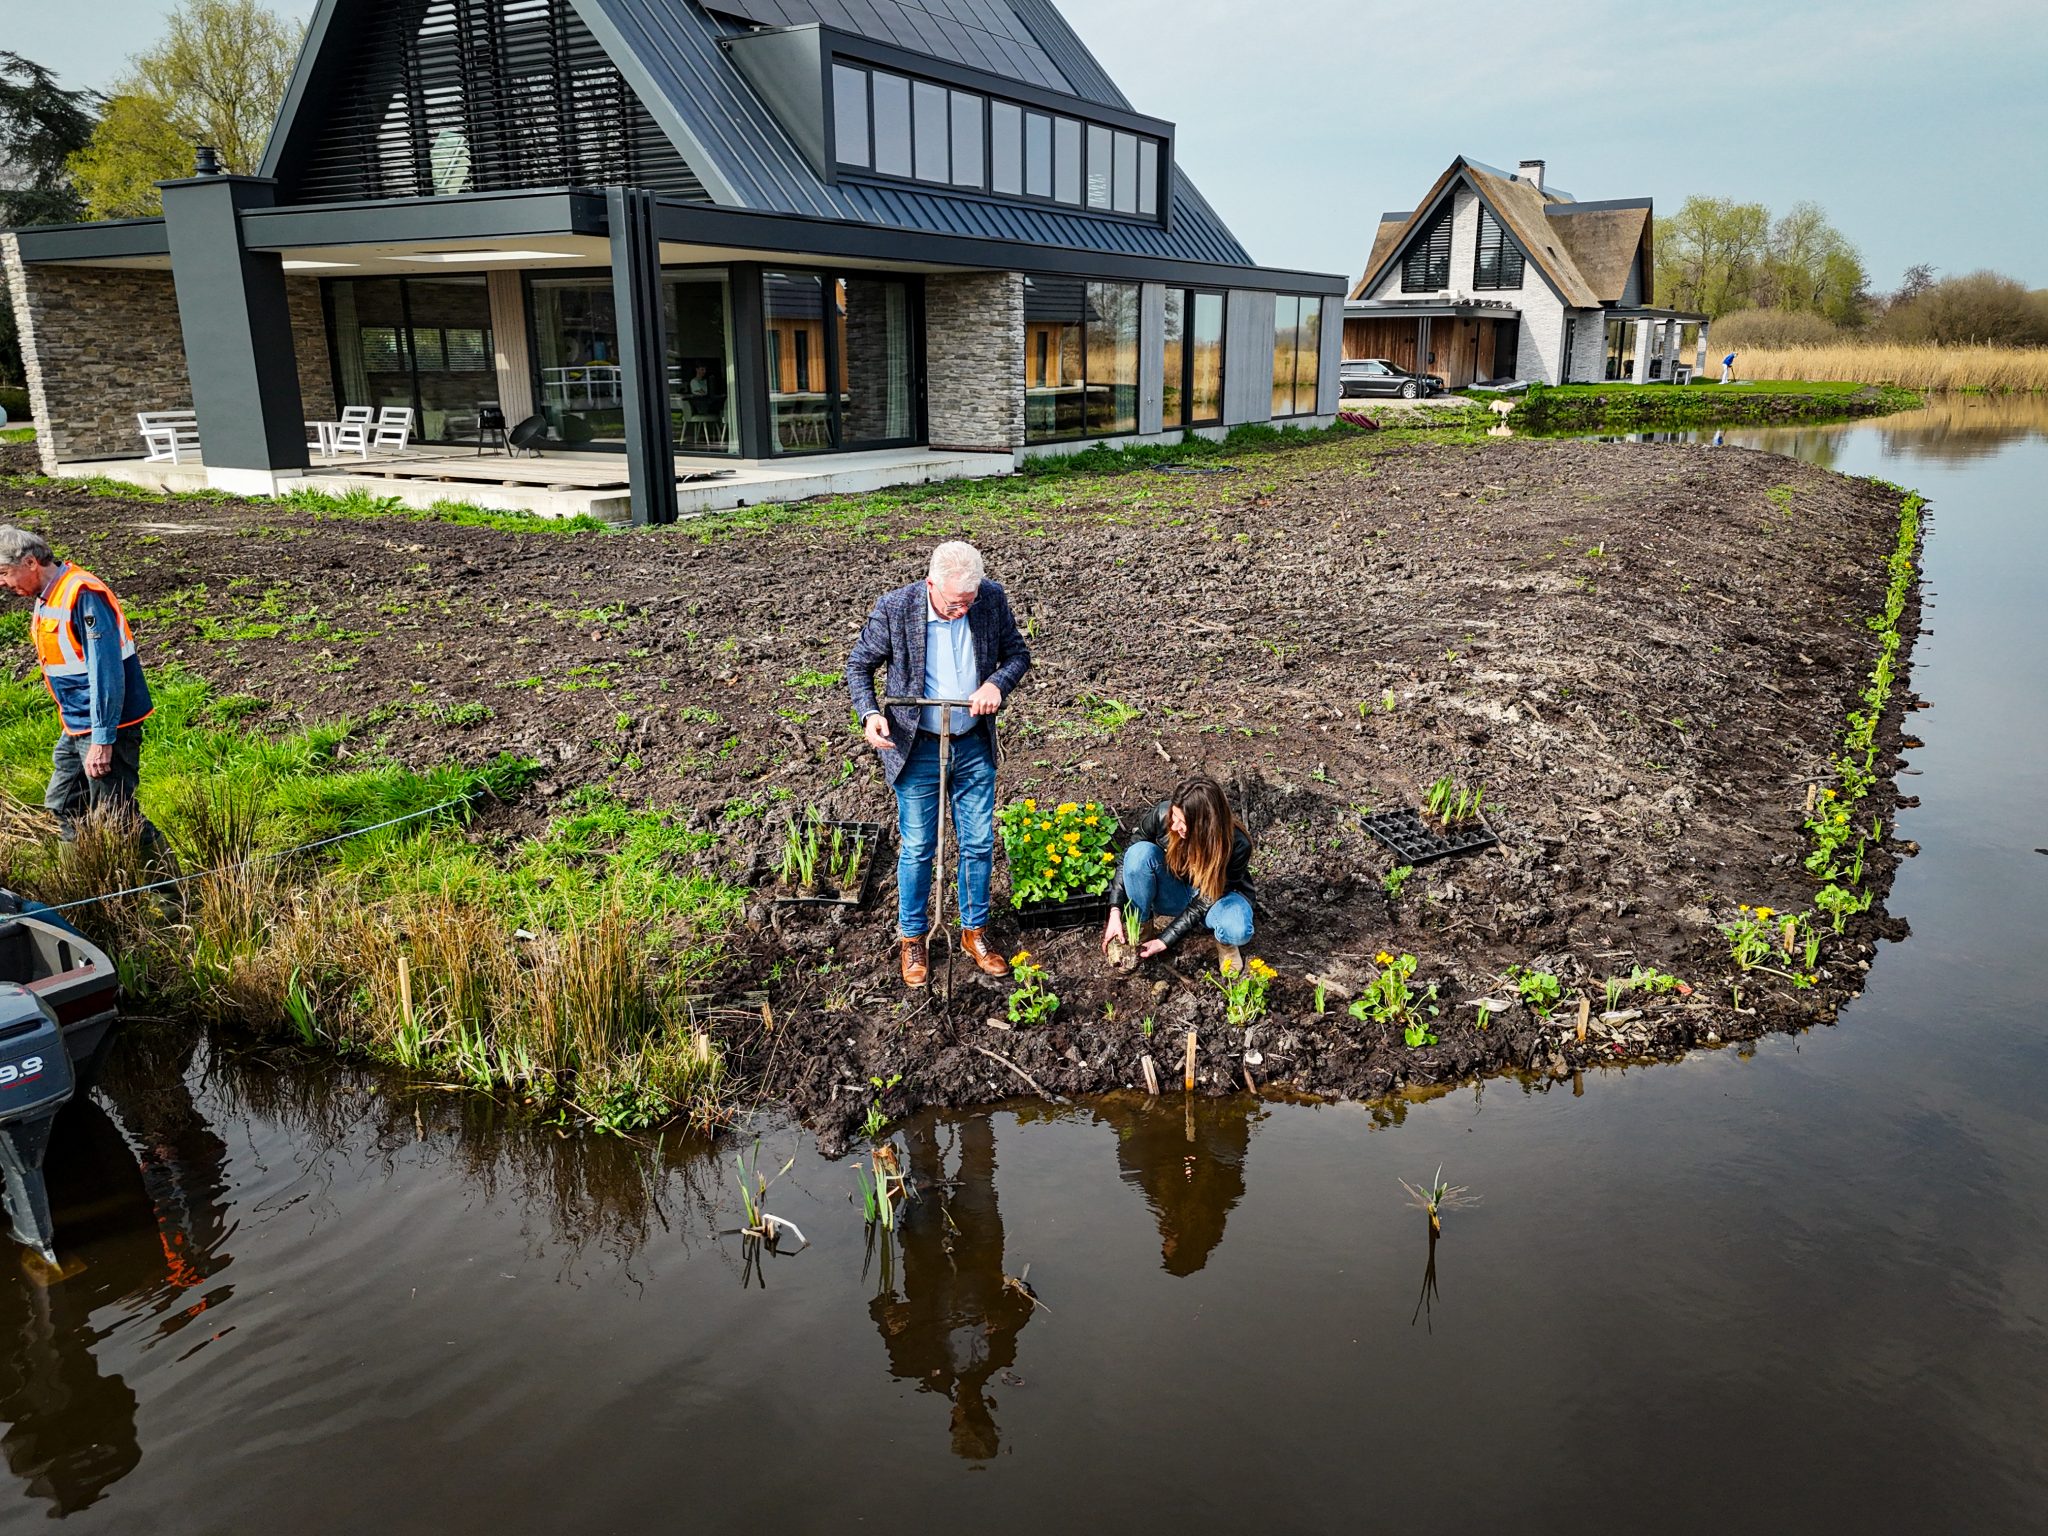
1074, 912
872, 833
1409, 836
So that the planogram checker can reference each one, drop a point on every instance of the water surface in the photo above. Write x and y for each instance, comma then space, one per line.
1794, 1287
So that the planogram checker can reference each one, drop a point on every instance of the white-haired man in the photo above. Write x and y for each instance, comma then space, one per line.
950, 636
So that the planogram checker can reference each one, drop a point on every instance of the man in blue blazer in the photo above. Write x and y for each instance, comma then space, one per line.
950, 636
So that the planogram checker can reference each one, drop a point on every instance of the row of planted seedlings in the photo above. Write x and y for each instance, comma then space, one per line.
1841, 833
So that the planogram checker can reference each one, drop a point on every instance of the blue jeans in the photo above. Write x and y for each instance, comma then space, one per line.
1156, 892
972, 781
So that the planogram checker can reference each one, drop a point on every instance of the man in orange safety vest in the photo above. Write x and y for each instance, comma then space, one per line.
87, 654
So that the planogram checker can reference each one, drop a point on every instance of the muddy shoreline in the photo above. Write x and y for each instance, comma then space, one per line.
1645, 653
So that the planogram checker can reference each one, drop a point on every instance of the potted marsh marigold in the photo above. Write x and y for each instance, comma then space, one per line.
1062, 860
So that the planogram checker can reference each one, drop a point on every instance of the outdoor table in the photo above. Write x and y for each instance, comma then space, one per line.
329, 434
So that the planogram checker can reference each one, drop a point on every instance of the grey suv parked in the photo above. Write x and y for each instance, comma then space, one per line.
1377, 376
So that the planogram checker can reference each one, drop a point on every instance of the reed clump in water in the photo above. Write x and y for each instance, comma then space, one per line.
1996, 370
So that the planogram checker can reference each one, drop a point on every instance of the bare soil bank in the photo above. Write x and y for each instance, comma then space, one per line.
1645, 654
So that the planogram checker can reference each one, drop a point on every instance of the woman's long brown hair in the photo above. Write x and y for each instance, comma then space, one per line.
1202, 858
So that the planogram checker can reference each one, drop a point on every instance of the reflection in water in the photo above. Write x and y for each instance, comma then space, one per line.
956, 1322
1425, 1304
71, 1428
1190, 1164
141, 1223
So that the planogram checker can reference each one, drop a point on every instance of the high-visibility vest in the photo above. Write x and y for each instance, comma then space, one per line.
60, 650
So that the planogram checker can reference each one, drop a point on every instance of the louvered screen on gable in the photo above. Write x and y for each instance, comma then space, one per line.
448, 96
1427, 266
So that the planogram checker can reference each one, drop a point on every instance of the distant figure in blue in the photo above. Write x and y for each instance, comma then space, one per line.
1717, 437
1728, 369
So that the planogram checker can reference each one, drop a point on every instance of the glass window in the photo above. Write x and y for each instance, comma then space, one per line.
698, 309
422, 343
1205, 346
1006, 147
1066, 160
1126, 200
576, 352
967, 169
1308, 336
850, 115
1112, 358
1098, 166
1173, 375
1037, 154
877, 372
930, 115
1148, 177
892, 124
793, 310
1055, 323
1286, 321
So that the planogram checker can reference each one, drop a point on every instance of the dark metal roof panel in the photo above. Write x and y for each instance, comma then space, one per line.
983, 34
675, 48
1085, 75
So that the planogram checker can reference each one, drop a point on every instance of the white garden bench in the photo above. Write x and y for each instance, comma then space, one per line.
168, 435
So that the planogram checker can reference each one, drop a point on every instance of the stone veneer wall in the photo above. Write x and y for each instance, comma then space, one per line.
309, 343
98, 345
974, 360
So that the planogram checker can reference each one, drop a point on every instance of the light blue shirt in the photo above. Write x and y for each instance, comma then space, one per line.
950, 670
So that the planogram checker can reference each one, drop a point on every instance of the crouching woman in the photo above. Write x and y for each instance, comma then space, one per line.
1189, 861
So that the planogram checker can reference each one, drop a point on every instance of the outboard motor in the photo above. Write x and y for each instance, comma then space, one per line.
35, 1082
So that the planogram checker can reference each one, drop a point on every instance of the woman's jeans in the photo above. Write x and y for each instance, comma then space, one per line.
1155, 891
971, 778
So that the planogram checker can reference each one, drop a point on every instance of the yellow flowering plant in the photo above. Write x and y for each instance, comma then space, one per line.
1244, 992
1057, 853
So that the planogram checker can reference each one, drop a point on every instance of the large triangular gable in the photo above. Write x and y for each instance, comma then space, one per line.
408, 98
1535, 243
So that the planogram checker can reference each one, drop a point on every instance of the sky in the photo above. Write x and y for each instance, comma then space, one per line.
1921, 126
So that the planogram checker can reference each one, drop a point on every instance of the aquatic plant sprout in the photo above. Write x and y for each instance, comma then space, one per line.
1436, 1197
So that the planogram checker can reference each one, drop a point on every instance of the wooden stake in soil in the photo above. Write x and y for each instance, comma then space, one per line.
1585, 1014
1151, 1074
405, 991
1189, 1074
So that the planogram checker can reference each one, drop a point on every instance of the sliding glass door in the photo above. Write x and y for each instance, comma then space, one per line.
418, 342
1192, 389
580, 386
841, 355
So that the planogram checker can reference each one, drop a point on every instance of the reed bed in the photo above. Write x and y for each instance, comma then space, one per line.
1997, 370
552, 976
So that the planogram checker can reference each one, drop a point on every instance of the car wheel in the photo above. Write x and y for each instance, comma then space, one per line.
1409, 390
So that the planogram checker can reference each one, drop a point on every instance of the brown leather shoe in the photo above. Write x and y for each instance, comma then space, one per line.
975, 946
916, 967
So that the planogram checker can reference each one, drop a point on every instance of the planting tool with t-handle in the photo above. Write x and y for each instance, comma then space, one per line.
937, 932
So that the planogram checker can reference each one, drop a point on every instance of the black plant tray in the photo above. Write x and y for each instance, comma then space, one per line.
1074, 912
873, 833
1404, 832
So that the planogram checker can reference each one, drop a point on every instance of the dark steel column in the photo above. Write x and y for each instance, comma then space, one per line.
237, 326
643, 354
750, 360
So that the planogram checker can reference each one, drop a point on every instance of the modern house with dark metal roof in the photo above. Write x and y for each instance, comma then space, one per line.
1496, 276
665, 238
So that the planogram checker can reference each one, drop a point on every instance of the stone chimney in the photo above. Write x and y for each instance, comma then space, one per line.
1531, 171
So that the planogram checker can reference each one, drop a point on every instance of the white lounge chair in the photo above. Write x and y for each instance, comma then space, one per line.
394, 428
168, 435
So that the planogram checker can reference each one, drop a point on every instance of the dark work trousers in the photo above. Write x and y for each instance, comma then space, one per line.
73, 792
